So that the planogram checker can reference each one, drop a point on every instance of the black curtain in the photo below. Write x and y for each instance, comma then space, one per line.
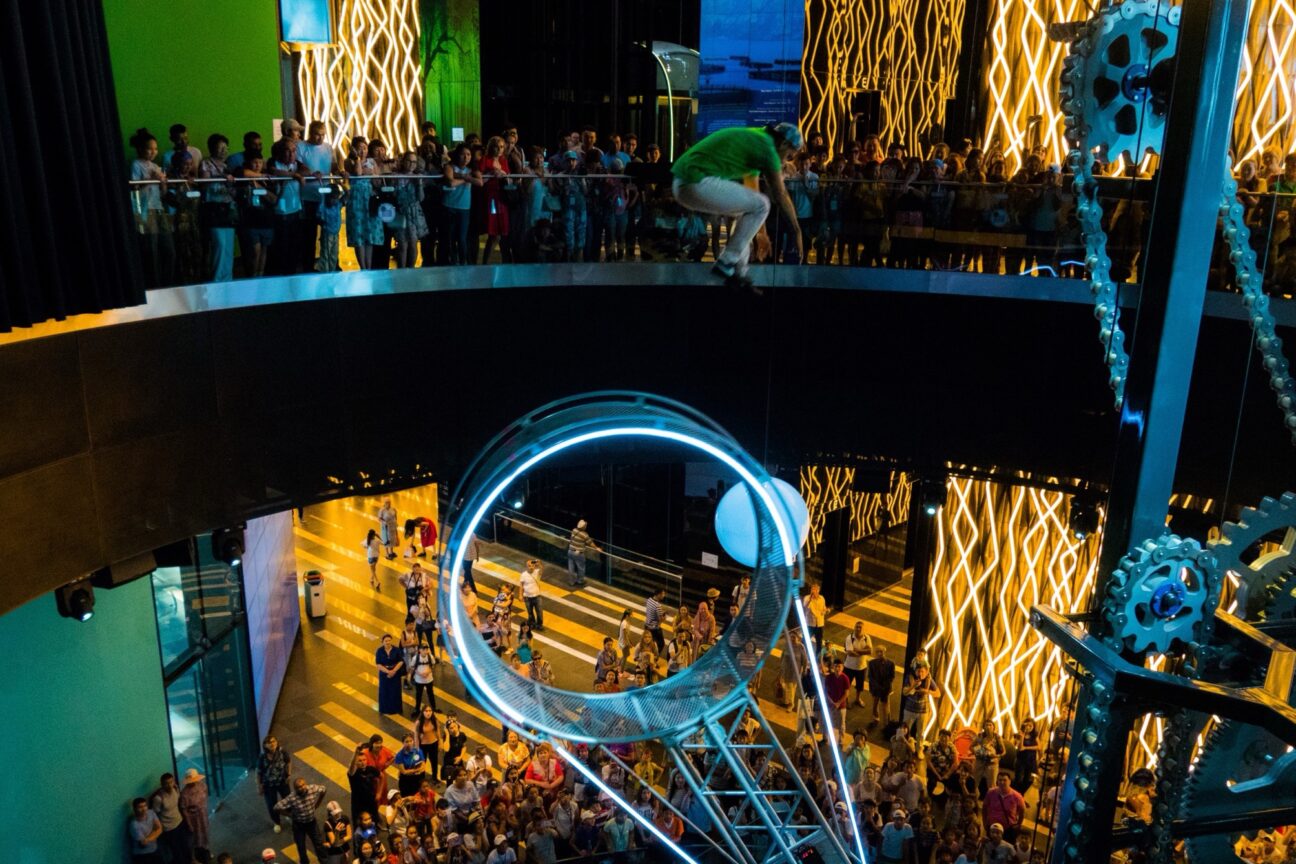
66, 245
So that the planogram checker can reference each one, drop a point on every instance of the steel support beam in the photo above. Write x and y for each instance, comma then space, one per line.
1177, 261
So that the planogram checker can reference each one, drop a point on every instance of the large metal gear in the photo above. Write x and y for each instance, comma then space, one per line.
1163, 596
1276, 517
1118, 75
1240, 767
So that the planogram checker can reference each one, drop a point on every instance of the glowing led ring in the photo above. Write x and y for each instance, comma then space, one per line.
714, 684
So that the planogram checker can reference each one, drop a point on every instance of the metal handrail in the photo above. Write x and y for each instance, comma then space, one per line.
563, 535
274, 178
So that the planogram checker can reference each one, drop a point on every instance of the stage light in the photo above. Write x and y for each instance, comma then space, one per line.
227, 545
1082, 517
932, 492
76, 600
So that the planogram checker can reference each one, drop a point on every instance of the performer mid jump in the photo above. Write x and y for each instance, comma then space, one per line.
708, 179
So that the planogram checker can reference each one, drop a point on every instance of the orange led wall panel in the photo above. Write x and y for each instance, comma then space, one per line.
907, 50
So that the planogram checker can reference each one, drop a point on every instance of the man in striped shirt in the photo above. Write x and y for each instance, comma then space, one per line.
579, 543
653, 618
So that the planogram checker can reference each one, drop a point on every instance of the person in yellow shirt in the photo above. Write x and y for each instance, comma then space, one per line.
816, 609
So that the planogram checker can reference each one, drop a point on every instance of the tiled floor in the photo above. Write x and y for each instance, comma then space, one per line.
327, 704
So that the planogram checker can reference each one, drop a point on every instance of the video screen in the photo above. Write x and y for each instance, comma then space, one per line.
751, 63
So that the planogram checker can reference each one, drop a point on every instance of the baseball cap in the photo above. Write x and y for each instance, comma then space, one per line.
500, 838
291, 125
453, 839
572, 154
790, 134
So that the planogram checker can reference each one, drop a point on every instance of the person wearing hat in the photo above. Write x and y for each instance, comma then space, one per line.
585, 838
578, 546
337, 834
500, 852
897, 838
709, 179
994, 848
193, 807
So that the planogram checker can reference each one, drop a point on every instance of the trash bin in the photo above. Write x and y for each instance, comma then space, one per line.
314, 594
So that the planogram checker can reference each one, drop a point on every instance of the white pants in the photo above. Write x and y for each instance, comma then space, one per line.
728, 198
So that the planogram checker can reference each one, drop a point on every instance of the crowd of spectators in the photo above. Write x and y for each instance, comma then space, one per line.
294, 208
933, 795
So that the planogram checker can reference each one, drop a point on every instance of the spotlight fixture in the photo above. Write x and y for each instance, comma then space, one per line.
76, 600
932, 494
1082, 516
227, 545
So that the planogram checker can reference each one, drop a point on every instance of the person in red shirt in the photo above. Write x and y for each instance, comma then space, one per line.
427, 536
378, 757
545, 773
837, 688
422, 806
1004, 805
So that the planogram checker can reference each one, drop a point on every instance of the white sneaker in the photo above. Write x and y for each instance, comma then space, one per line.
278, 828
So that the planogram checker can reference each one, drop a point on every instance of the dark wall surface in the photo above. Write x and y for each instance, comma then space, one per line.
119, 439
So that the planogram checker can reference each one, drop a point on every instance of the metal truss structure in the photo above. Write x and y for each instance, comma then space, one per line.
749, 791
1223, 686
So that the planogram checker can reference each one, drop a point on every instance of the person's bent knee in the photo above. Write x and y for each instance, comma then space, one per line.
763, 207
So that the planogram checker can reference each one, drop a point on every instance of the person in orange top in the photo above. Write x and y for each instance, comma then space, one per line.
669, 824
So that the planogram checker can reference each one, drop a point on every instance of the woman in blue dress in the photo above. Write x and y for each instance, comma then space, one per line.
362, 226
391, 671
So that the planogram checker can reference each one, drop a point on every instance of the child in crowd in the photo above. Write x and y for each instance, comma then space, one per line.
185, 202
330, 219
256, 215
152, 225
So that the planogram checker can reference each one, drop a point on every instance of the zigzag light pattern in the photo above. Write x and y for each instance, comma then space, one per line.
827, 487
370, 82
907, 49
1001, 549
1024, 70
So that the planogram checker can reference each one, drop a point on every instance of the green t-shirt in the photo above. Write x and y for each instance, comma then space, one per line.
730, 154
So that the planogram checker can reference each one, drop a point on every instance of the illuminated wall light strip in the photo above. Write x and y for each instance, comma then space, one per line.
1000, 549
370, 82
826, 487
1023, 70
843, 788
906, 49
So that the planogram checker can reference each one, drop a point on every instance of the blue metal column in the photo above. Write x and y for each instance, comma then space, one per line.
1177, 262
1164, 347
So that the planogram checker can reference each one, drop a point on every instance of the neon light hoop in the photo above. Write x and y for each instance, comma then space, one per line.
714, 685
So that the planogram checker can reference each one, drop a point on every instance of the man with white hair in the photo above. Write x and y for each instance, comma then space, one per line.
577, 546
709, 178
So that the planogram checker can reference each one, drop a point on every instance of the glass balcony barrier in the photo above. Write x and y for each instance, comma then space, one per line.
204, 230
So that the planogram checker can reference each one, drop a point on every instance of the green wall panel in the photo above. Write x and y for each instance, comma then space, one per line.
211, 66
85, 724
451, 49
